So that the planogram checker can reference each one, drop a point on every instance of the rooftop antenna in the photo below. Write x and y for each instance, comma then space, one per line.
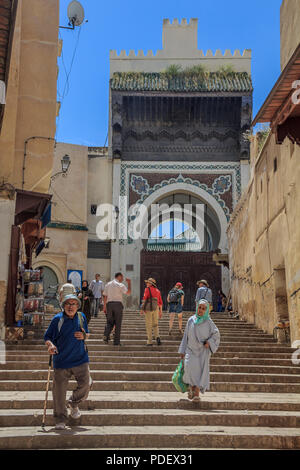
75, 15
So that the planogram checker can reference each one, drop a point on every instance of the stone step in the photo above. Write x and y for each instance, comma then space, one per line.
165, 366
176, 334
225, 347
167, 340
102, 437
155, 385
154, 353
41, 361
146, 417
160, 400
119, 375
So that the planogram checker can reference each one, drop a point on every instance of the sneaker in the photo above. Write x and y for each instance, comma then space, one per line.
75, 413
149, 344
60, 426
158, 341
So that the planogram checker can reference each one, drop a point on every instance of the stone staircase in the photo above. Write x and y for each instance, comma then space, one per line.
254, 400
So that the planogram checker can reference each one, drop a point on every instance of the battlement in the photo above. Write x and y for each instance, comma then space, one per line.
201, 55
180, 47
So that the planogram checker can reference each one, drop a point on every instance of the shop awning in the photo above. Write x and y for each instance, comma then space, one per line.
31, 205
282, 107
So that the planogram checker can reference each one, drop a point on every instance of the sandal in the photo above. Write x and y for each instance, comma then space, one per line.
196, 399
191, 394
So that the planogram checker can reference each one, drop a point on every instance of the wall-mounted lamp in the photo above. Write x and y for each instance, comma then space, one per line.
65, 164
47, 242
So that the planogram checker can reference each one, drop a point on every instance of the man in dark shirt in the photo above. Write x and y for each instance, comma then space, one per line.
65, 339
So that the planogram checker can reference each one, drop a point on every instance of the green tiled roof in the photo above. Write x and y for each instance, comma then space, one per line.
214, 82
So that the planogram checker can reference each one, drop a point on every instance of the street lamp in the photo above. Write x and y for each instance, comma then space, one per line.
65, 164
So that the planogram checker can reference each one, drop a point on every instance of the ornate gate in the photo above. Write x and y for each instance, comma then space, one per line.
188, 268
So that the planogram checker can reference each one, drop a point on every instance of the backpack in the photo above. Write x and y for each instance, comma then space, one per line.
81, 323
174, 296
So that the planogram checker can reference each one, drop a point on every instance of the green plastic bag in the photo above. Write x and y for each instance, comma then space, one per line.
177, 378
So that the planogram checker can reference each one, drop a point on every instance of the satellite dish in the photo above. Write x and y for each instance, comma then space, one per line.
75, 13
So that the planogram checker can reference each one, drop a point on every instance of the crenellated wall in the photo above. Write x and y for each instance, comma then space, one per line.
180, 47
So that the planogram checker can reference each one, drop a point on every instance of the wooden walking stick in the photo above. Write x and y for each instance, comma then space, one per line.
47, 390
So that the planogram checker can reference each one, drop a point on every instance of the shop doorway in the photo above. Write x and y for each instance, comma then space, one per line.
51, 286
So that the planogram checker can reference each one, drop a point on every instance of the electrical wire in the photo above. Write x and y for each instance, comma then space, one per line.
66, 205
66, 88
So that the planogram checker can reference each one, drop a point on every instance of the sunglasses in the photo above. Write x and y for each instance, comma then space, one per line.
71, 305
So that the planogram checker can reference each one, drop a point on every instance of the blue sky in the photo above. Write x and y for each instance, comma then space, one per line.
231, 24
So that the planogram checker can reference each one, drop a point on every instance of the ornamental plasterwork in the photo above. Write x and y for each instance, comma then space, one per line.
221, 186
218, 188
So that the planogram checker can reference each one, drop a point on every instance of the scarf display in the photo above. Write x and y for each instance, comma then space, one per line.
197, 318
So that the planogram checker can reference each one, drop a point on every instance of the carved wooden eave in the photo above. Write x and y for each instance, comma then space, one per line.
282, 107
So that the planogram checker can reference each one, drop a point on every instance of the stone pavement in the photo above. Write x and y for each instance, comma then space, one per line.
254, 400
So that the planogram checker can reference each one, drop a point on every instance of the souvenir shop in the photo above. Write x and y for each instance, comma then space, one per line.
24, 312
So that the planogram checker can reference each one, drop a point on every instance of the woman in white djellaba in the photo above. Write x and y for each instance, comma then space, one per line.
201, 338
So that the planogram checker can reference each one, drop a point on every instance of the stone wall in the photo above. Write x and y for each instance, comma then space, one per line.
180, 47
30, 110
99, 192
289, 29
264, 238
68, 240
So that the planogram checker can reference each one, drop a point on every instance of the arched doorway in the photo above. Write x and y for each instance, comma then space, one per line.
176, 251
51, 285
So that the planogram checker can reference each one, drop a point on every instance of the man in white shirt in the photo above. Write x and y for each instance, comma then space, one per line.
97, 287
113, 306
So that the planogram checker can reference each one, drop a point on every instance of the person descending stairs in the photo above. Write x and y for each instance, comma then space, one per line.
253, 400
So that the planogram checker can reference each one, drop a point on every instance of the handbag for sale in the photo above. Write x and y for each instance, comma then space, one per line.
177, 378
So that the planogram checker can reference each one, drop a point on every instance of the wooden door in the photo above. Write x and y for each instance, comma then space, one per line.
188, 268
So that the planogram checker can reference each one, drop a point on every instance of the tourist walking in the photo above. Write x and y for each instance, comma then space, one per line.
113, 306
175, 300
204, 292
201, 338
152, 309
221, 301
66, 289
65, 339
97, 288
86, 296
